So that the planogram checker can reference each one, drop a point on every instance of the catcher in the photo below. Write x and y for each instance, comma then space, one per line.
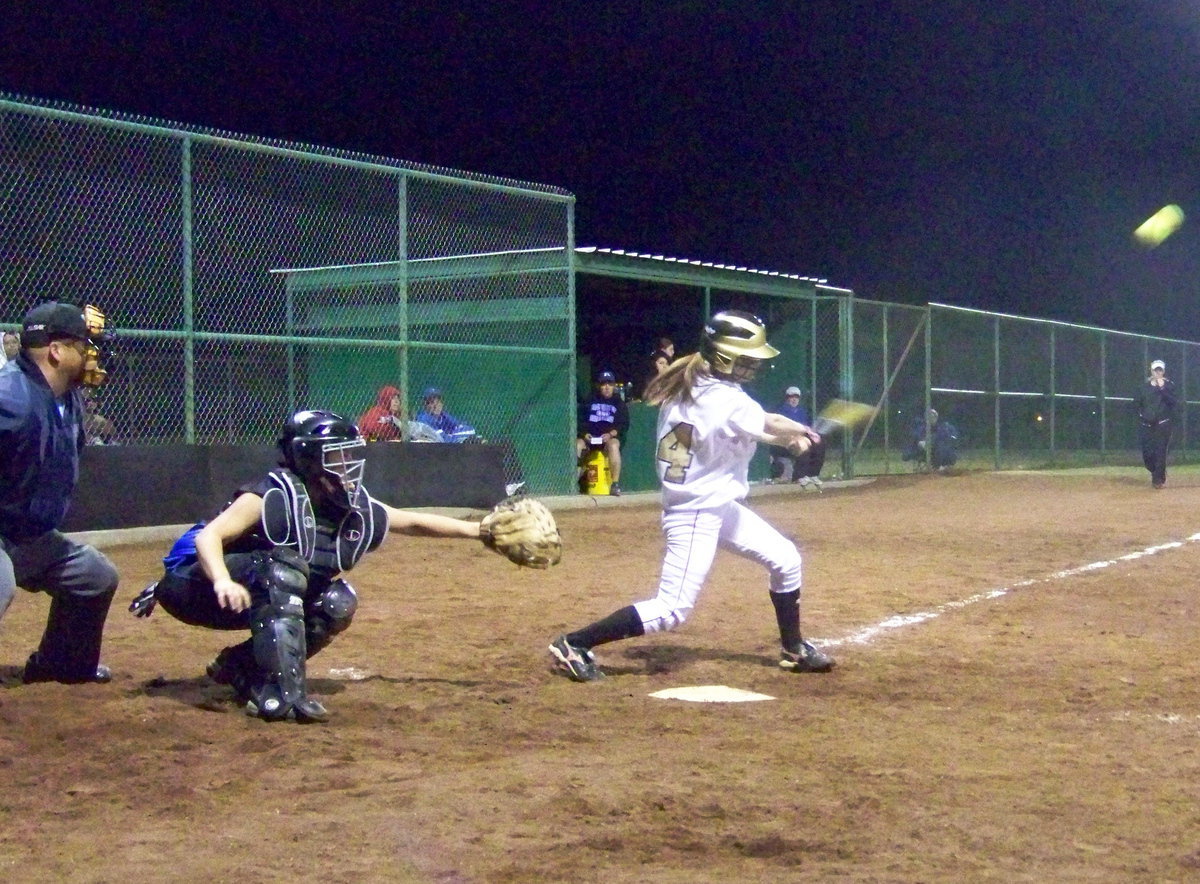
270, 561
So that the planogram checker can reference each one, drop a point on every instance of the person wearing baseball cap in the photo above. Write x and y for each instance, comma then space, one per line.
603, 416
42, 418
433, 414
1156, 403
802, 469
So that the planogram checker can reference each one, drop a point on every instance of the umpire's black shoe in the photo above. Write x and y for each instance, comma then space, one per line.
807, 659
37, 671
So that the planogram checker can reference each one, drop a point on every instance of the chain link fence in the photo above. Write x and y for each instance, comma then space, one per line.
1032, 393
247, 279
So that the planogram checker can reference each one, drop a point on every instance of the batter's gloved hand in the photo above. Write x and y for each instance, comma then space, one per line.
523, 530
143, 605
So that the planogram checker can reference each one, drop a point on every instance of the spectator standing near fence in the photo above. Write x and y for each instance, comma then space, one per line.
1156, 407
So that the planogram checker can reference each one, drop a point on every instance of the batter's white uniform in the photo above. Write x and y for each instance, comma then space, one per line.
704, 452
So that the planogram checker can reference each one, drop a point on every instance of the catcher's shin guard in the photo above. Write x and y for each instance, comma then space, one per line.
277, 583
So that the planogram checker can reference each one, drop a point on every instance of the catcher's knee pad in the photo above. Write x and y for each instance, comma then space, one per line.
279, 568
328, 614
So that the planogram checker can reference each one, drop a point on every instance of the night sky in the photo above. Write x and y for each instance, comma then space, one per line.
987, 154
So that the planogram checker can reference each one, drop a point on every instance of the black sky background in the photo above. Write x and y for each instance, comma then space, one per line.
994, 155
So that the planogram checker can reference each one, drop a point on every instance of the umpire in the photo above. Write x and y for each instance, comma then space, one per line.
1156, 406
41, 434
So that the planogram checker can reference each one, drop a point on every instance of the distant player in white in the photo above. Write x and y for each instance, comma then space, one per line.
708, 428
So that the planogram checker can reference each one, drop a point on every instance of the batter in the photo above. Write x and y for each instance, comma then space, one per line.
708, 429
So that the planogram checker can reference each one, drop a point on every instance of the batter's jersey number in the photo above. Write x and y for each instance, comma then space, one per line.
676, 449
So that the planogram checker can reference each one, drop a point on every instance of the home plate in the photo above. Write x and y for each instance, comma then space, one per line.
350, 674
710, 693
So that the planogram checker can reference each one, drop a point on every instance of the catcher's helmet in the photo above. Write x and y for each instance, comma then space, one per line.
735, 344
318, 446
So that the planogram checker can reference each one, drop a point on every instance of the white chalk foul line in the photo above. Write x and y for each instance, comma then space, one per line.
899, 621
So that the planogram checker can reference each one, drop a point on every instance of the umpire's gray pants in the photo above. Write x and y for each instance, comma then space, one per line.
56, 565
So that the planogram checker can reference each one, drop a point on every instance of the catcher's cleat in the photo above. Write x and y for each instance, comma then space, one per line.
809, 659
578, 664
305, 711
235, 667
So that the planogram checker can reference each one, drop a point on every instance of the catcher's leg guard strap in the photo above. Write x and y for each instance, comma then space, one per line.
328, 614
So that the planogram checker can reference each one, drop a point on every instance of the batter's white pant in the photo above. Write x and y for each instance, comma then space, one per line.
692, 541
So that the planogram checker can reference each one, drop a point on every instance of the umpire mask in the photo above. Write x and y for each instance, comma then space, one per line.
98, 350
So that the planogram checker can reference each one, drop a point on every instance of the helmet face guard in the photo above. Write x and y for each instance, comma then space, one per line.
326, 450
97, 348
735, 345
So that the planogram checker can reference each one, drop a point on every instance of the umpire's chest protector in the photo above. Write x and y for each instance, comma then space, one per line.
328, 546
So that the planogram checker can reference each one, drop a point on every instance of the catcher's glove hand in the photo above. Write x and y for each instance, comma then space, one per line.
522, 529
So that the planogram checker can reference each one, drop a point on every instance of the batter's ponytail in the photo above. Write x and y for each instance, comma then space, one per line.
677, 380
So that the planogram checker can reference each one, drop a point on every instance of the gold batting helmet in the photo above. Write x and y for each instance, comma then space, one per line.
735, 344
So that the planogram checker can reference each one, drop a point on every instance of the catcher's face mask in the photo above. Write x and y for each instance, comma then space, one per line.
343, 462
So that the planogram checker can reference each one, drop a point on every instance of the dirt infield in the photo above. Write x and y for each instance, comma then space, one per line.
1000, 711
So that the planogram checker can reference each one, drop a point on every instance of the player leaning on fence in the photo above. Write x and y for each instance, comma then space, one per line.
1156, 407
63, 348
708, 428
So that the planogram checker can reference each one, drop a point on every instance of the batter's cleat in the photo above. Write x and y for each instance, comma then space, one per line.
37, 671
578, 664
809, 659
815, 481
614, 489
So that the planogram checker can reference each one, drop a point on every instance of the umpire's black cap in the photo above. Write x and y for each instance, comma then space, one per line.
53, 319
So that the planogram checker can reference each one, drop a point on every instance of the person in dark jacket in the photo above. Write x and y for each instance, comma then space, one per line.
604, 416
944, 452
42, 414
1156, 407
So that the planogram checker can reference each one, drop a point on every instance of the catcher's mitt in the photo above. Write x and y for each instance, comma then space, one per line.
523, 530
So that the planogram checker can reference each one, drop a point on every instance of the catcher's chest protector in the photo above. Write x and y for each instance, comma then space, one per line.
328, 547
